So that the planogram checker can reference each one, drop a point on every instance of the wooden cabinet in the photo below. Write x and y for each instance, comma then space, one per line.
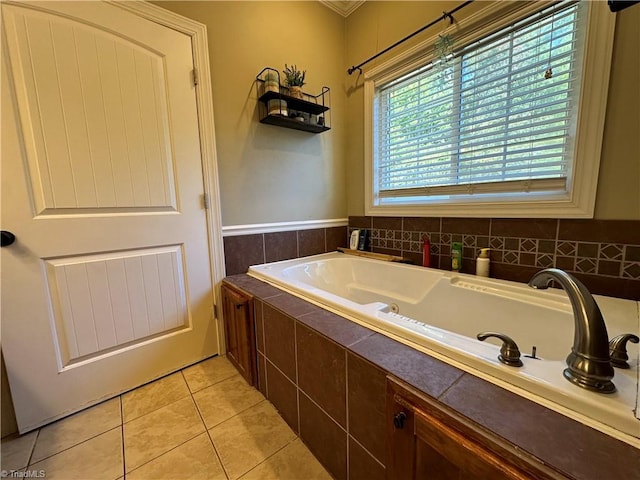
427, 442
239, 331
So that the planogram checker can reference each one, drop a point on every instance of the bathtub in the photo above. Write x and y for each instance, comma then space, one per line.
441, 312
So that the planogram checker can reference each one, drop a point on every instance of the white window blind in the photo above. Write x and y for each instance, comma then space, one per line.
485, 121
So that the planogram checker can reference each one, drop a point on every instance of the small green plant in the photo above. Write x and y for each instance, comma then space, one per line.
293, 76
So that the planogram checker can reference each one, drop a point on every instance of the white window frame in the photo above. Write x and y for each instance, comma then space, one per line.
579, 200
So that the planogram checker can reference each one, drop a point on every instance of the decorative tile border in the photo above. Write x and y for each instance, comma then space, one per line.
605, 255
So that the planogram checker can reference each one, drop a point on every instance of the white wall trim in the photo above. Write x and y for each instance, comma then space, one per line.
258, 228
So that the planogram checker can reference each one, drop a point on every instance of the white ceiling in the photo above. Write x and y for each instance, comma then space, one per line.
343, 7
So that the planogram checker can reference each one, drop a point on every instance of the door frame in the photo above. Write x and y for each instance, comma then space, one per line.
204, 102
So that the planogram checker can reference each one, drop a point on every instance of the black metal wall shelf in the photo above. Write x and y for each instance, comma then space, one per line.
314, 109
295, 103
286, 122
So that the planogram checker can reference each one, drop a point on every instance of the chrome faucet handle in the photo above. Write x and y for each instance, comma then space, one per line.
618, 349
509, 352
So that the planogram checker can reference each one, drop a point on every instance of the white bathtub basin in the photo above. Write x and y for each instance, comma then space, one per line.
441, 312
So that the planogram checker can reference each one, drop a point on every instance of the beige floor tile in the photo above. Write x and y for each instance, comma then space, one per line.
151, 435
294, 461
208, 372
77, 428
16, 450
97, 459
225, 399
194, 460
153, 396
247, 439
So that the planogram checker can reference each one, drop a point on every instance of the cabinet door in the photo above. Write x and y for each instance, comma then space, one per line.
239, 331
425, 443
444, 453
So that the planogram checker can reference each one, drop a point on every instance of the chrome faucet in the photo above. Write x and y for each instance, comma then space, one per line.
588, 363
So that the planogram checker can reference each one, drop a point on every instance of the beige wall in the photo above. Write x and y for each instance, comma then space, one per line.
619, 179
376, 25
267, 173
270, 174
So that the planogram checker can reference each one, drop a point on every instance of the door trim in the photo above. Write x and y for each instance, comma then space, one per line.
198, 33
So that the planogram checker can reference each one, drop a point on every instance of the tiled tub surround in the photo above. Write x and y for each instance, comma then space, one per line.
326, 376
440, 313
603, 254
241, 251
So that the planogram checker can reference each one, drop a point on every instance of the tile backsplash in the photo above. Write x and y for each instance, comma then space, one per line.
241, 251
603, 254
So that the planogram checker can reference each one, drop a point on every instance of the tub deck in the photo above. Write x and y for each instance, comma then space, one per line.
440, 313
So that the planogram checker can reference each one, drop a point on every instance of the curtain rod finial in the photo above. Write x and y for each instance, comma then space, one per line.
446, 15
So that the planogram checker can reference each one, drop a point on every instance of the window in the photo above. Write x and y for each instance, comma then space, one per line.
494, 124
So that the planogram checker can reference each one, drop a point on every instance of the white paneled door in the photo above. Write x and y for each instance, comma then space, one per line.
109, 283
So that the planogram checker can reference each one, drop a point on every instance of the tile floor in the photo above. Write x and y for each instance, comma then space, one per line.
203, 422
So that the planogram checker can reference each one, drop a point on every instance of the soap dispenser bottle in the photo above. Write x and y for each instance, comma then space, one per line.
483, 263
456, 256
426, 252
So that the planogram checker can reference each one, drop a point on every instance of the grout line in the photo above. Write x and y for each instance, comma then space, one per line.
323, 410
212, 384
278, 369
557, 242
295, 385
270, 456
124, 450
346, 408
295, 348
33, 448
155, 409
191, 396
75, 444
324, 231
185, 381
264, 337
455, 382
215, 450
170, 450
206, 430
295, 351
68, 448
266, 375
366, 450
235, 414
299, 432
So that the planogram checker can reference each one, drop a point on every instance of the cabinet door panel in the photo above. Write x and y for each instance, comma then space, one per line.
239, 331
443, 453
432, 465
427, 441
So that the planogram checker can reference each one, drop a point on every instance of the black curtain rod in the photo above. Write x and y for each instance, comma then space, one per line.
444, 16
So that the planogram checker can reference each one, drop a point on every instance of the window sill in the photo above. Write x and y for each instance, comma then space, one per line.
533, 209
